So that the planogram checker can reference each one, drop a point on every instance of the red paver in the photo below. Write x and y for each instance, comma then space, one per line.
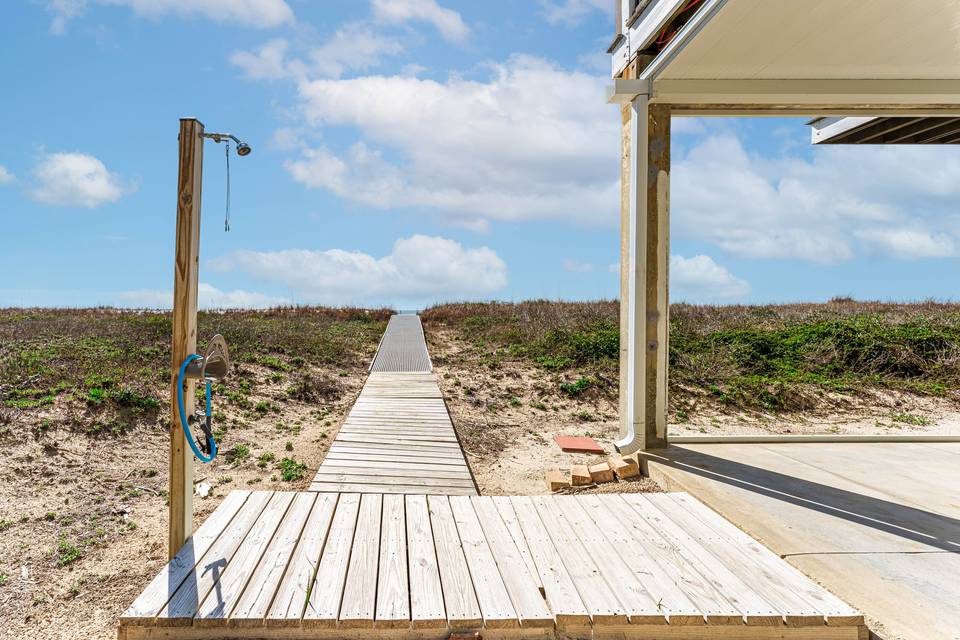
578, 444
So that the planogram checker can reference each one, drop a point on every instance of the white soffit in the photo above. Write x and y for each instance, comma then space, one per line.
824, 39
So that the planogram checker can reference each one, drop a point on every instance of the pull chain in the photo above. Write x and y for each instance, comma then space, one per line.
226, 219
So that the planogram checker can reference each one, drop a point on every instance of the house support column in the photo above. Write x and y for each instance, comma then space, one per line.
644, 272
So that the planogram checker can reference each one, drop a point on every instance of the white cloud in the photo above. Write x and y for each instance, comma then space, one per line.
572, 12
699, 279
268, 62
419, 269
208, 297
447, 21
63, 12
534, 141
574, 266
75, 180
353, 47
5, 176
908, 244
843, 202
261, 14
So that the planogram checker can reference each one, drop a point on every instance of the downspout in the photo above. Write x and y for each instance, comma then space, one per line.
640, 93
635, 301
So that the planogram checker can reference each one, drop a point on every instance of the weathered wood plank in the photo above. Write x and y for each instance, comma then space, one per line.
295, 588
216, 607
253, 604
781, 574
601, 601
492, 594
634, 598
559, 590
509, 516
400, 442
360, 592
330, 475
520, 584
757, 611
157, 593
393, 596
368, 488
365, 455
710, 600
463, 610
426, 591
671, 597
323, 604
396, 468
183, 604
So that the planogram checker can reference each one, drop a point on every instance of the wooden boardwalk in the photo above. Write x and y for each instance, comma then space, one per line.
403, 347
321, 565
398, 437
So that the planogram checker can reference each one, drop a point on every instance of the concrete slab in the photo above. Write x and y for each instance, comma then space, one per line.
877, 524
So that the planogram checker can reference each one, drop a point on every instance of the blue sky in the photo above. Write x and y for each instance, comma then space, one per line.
414, 151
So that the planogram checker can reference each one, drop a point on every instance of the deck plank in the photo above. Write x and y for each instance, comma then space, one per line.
633, 596
326, 590
393, 595
459, 594
757, 611
711, 601
509, 516
184, 603
426, 592
360, 592
368, 488
252, 606
559, 590
602, 603
782, 574
216, 607
423, 479
416, 567
671, 597
149, 603
492, 594
295, 588
521, 585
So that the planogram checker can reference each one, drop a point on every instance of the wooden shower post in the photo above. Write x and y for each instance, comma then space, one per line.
186, 267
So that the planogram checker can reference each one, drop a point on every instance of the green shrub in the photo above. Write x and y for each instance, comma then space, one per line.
291, 470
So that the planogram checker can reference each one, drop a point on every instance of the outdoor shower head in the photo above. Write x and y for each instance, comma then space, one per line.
243, 149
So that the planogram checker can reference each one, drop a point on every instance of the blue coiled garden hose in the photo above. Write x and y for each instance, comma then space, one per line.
183, 417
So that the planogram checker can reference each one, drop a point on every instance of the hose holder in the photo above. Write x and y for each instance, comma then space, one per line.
213, 365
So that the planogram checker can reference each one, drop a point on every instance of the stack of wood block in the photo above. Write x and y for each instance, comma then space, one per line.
615, 467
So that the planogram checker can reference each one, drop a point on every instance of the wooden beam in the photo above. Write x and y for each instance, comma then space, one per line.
186, 267
657, 274
631, 72
847, 91
644, 389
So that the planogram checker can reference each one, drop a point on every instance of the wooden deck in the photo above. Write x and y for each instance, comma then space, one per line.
323, 565
397, 438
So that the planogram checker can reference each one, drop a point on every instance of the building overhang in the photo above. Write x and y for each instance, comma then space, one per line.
815, 57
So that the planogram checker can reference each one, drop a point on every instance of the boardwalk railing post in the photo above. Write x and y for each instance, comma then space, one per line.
185, 274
